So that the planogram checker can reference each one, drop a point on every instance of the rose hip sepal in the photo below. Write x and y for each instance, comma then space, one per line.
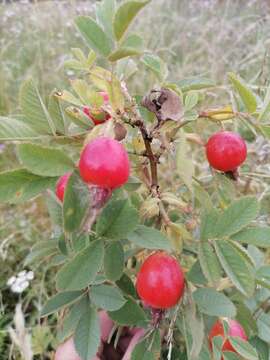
160, 281
226, 151
235, 330
61, 186
104, 162
98, 116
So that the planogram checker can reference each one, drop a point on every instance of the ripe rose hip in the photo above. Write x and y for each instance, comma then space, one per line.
104, 162
235, 330
98, 116
226, 151
160, 281
61, 185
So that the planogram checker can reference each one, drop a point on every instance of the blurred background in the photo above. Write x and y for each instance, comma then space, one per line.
194, 37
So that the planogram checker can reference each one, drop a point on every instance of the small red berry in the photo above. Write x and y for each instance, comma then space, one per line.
104, 162
226, 151
235, 330
61, 186
160, 281
98, 116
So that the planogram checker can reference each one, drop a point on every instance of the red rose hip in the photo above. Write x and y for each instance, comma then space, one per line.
61, 186
235, 330
225, 151
104, 162
160, 281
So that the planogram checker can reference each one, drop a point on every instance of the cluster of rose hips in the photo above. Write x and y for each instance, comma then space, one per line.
160, 281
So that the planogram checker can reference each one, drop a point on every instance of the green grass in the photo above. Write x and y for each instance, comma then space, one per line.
194, 37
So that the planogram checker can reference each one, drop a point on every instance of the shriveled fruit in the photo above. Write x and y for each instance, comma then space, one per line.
160, 281
61, 186
226, 151
104, 162
98, 116
235, 330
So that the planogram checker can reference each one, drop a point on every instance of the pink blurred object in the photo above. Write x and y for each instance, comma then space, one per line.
135, 339
66, 351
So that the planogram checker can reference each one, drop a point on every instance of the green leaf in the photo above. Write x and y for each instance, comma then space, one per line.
93, 34
114, 261
133, 41
238, 215
235, 266
117, 219
246, 95
243, 348
195, 83
41, 251
214, 303
130, 314
125, 15
141, 351
44, 161
191, 100
184, 163
107, 297
209, 224
263, 324
149, 238
209, 263
202, 196
258, 236
34, 109
123, 52
81, 271
265, 111
156, 65
56, 113
54, 209
72, 319
105, 13
87, 335
19, 185
126, 285
60, 300
76, 203
14, 129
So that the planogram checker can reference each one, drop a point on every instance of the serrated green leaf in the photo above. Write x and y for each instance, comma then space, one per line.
33, 108
123, 52
56, 113
156, 65
214, 303
107, 297
195, 83
258, 236
202, 196
105, 11
87, 335
246, 95
149, 238
235, 266
209, 263
41, 251
209, 224
14, 129
72, 319
243, 348
59, 301
93, 34
265, 110
76, 203
263, 323
117, 220
114, 261
81, 271
191, 100
238, 215
126, 285
44, 161
141, 351
124, 16
130, 314
20, 185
